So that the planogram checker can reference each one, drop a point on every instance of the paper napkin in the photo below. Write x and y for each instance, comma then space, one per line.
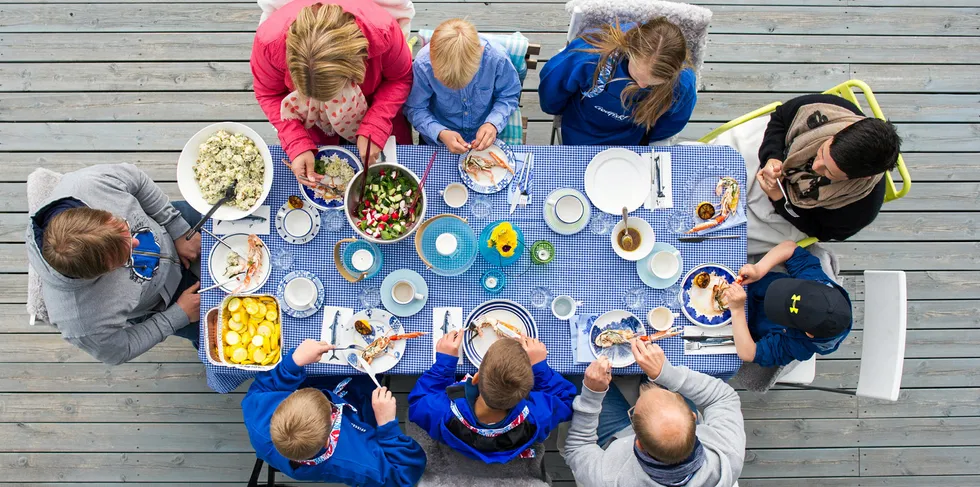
579, 327
455, 323
245, 225
691, 348
342, 336
667, 201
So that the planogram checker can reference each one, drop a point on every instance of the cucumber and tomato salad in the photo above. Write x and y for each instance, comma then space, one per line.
384, 212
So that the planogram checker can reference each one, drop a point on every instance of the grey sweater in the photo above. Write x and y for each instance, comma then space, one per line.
721, 433
119, 315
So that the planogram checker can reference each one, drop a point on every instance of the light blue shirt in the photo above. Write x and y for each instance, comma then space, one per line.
491, 97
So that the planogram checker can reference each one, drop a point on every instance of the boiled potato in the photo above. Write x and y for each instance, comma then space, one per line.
234, 304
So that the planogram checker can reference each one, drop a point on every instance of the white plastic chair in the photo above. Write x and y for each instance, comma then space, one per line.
883, 343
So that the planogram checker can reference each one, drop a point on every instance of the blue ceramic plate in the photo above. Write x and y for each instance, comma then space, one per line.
382, 324
491, 255
458, 261
482, 182
411, 308
326, 152
475, 346
305, 313
617, 319
652, 280
696, 304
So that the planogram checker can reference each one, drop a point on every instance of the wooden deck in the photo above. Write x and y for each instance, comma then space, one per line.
84, 82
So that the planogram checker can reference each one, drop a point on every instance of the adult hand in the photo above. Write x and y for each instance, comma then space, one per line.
454, 142
649, 356
735, 297
385, 407
536, 351
750, 273
485, 136
188, 250
310, 351
362, 148
302, 168
769, 179
190, 302
449, 343
598, 375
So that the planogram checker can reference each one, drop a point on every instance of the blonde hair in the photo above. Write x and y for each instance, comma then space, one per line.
657, 40
325, 51
506, 377
455, 51
301, 424
85, 243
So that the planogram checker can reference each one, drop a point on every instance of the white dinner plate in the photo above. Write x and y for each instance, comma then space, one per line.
217, 262
617, 319
616, 178
382, 323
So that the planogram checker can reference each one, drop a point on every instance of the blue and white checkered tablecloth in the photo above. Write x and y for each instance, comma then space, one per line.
585, 266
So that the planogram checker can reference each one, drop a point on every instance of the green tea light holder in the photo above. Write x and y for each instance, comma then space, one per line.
542, 252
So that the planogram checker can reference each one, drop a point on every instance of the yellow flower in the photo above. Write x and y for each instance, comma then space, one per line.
504, 238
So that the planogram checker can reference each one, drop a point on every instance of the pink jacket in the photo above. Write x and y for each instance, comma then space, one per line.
386, 85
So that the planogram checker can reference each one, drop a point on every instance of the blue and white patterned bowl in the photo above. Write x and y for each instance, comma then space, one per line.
482, 184
302, 313
617, 319
475, 346
325, 152
382, 323
689, 310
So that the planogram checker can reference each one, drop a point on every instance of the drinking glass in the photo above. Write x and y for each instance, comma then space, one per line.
602, 223
635, 298
332, 220
282, 259
369, 297
541, 297
671, 296
481, 206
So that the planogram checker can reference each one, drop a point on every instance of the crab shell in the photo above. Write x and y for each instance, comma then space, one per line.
609, 338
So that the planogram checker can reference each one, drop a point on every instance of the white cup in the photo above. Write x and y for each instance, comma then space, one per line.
446, 244
298, 223
564, 306
664, 264
362, 260
569, 209
455, 195
661, 318
300, 293
403, 292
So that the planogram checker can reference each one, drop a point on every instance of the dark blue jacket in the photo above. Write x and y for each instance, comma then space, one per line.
432, 402
597, 116
365, 455
776, 344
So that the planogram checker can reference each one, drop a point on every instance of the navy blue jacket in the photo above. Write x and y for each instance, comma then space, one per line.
597, 116
776, 344
364, 455
436, 400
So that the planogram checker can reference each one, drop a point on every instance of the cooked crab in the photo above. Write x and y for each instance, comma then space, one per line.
502, 329
380, 345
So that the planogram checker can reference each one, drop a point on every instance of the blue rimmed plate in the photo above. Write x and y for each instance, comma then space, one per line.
335, 203
302, 313
475, 346
698, 304
382, 323
648, 277
617, 319
218, 262
484, 183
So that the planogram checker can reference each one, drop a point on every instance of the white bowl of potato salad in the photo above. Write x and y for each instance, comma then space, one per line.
218, 155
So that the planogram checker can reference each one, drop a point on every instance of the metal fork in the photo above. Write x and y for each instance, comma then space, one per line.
526, 176
786, 205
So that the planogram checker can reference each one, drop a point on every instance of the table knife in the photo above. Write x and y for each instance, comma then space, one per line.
702, 239
709, 339
660, 185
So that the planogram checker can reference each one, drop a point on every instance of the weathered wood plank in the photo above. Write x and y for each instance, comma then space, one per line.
68, 378
943, 166
920, 461
136, 76
15, 320
926, 285
793, 404
835, 49
903, 78
907, 256
812, 462
924, 315
913, 403
48, 348
917, 373
945, 481
241, 105
904, 227
160, 166
130, 467
864, 433
125, 438
137, 407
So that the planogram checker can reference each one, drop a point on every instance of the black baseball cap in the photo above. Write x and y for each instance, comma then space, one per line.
817, 308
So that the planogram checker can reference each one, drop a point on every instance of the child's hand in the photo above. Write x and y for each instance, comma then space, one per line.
454, 142
749, 274
485, 136
449, 343
649, 356
598, 375
536, 351
384, 405
734, 296
310, 351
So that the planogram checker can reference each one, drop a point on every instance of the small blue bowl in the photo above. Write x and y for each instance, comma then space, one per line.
348, 256
496, 274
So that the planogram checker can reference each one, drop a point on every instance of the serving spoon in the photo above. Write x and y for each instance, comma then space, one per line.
229, 195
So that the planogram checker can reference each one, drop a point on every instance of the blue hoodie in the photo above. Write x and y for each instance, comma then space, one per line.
597, 116
439, 405
365, 455
776, 344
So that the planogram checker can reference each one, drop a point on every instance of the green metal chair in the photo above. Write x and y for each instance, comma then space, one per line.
845, 90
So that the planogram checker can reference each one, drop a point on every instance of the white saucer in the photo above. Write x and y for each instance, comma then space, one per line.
562, 227
297, 225
652, 280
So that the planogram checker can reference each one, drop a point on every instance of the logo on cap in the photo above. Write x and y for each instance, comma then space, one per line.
793, 309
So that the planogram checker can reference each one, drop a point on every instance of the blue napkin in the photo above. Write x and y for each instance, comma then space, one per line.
579, 327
